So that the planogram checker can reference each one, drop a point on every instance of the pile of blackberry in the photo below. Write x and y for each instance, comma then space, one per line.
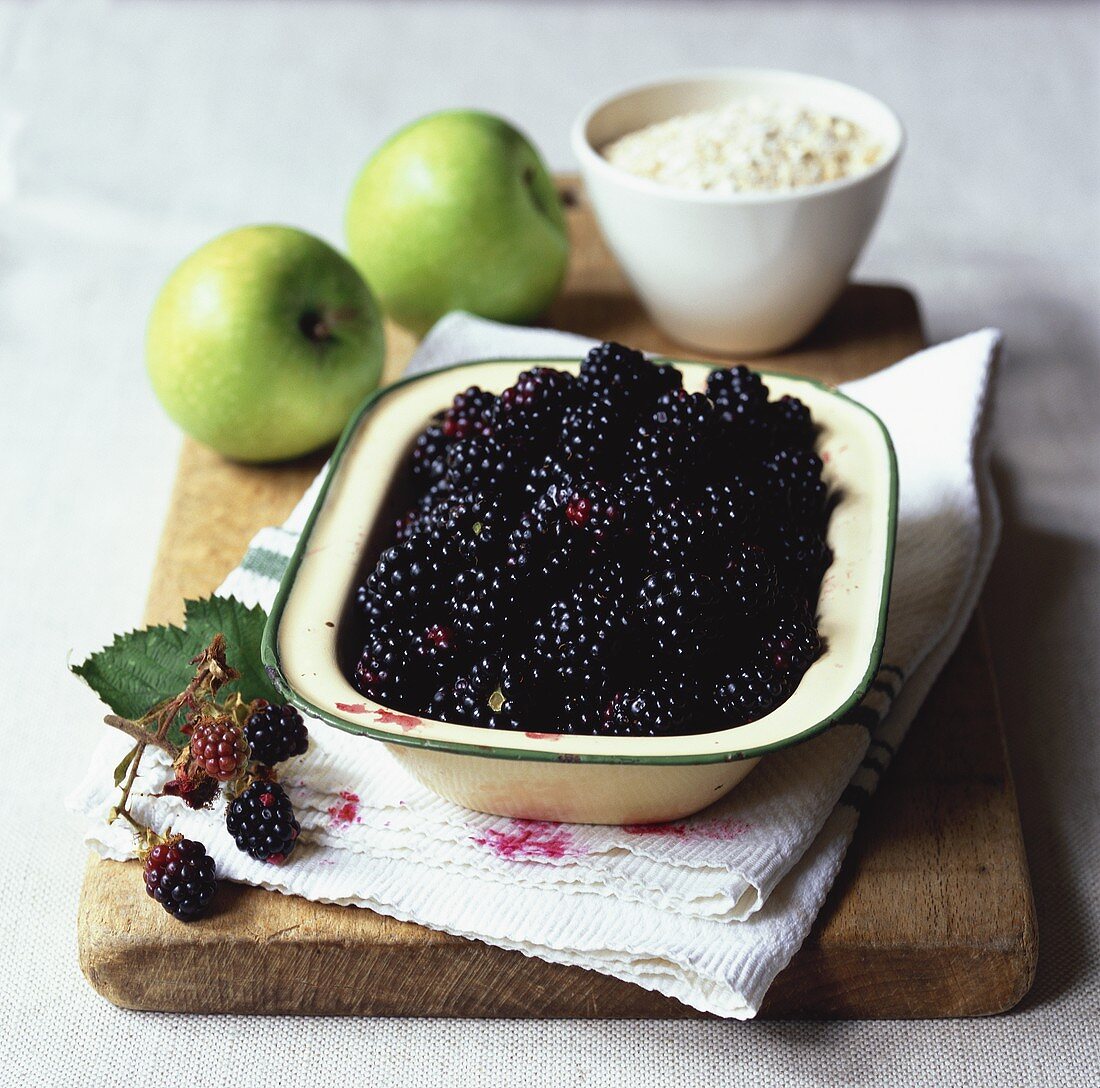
604, 553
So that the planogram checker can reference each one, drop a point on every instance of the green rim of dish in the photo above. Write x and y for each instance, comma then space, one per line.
269, 650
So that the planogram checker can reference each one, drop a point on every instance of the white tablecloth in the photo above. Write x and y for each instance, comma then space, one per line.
131, 132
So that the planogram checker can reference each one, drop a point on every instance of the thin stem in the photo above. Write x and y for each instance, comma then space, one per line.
142, 735
129, 783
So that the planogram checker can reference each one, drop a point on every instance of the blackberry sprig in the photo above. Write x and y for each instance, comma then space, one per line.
229, 744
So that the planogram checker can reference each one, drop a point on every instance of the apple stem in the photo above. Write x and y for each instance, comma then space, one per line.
314, 327
319, 326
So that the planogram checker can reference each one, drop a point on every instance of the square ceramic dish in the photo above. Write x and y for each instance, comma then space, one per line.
551, 776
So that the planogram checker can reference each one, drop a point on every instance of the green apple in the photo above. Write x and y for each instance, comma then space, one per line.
263, 342
458, 212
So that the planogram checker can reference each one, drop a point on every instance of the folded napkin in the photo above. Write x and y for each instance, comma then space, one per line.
707, 910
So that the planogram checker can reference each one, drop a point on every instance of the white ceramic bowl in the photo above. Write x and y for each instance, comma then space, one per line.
734, 273
555, 776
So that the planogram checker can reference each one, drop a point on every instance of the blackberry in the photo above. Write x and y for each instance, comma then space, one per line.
793, 477
405, 526
747, 693
733, 508
404, 583
673, 437
679, 610
429, 456
656, 709
179, 875
613, 369
594, 526
802, 557
577, 632
564, 693
218, 747
471, 412
730, 383
742, 411
623, 376
262, 822
596, 513
543, 546
391, 670
611, 583
792, 423
662, 378
550, 473
677, 535
750, 581
485, 604
438, 646
275, 733
439, 492
580, 711
491, 695
534, 406
791, 646
482, 463
650, 488
436, 498
567, 527
462, 529
593, 434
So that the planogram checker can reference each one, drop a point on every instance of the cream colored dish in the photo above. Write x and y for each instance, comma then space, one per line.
550, 776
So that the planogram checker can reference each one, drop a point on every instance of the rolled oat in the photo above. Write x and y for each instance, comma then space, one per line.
748, 146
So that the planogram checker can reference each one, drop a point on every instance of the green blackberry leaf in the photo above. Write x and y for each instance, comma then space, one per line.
243, 629
142, 668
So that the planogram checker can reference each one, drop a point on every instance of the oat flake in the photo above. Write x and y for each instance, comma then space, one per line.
748, 146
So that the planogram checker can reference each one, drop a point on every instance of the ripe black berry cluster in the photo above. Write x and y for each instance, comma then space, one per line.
235, 746
179, 875
606, 553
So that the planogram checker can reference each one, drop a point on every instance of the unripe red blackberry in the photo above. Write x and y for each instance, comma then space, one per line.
219, 748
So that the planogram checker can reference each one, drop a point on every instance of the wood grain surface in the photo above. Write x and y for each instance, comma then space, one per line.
931, 916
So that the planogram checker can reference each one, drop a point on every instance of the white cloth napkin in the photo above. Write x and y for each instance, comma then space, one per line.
707, 910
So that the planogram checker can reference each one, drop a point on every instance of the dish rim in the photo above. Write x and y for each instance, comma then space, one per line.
490, 745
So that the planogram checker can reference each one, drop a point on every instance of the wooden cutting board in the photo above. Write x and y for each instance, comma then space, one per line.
932, 914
